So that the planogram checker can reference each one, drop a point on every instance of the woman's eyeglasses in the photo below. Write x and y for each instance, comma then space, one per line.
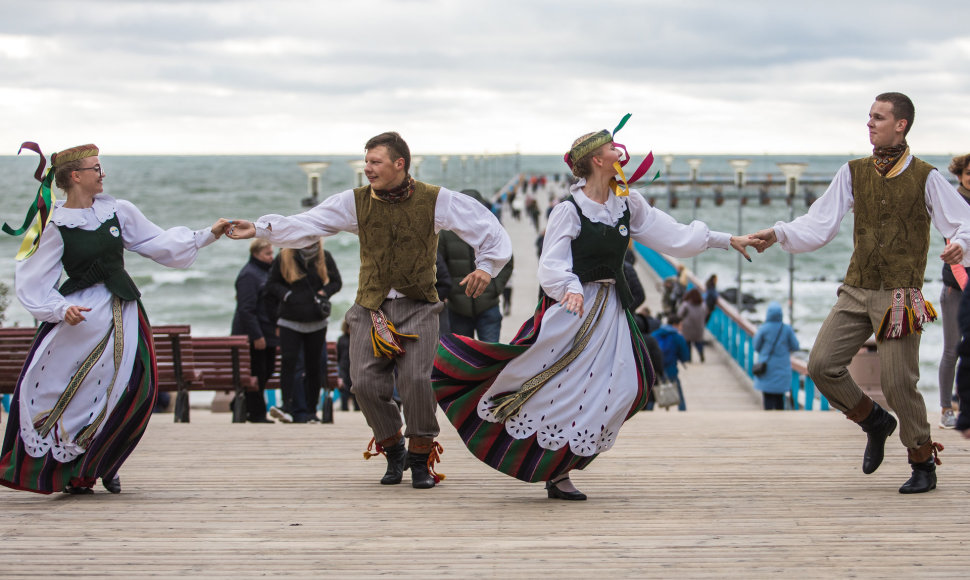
96, 168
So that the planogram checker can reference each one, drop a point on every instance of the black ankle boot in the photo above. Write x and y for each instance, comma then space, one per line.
879, 425
421, 477
923, 478
396, 460
112, 484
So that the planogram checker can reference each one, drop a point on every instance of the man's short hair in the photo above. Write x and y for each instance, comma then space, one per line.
397, 148
902, 108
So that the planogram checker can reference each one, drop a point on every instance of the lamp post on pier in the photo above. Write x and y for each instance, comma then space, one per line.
415, 165
358, 167
739, 165
444, 169
314, 170
791, 171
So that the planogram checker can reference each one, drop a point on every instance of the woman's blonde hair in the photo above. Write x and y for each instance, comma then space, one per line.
258, 245
292, 272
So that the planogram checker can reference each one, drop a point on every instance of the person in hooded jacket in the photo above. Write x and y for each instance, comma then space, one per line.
302, 280
774, 342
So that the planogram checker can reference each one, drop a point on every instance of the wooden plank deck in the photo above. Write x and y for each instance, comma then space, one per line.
701, 494
721, 491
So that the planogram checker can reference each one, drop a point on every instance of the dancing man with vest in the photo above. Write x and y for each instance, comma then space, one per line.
894, 197
394, 321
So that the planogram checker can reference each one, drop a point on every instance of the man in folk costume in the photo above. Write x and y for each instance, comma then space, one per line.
894, 196
394, 321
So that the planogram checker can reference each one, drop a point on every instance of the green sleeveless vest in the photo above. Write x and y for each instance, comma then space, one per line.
598, 252
892, 226
398, 246
92, 257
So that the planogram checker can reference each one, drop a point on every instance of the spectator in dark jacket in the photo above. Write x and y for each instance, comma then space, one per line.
468, 315
343, 369
963, 366
302, 281
633, 281
252, 320
442, 285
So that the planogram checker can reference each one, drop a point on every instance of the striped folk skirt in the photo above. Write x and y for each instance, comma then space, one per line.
578, 403
107, 446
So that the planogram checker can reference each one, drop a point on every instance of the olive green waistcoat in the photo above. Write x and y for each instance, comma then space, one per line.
93, 257
398, 246
892, 226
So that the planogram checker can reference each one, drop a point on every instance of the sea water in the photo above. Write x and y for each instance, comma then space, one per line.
194, 191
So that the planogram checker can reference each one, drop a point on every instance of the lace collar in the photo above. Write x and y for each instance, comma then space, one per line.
605, 213
102, 209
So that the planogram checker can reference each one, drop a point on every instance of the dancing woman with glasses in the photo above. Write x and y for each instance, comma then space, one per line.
88, 385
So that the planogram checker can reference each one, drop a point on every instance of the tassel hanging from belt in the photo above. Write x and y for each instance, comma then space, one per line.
901, 320
387, 341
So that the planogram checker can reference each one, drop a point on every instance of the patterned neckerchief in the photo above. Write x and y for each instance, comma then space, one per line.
886, 157
396, 194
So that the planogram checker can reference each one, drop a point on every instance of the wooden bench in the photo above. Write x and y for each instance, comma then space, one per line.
173, 352
225, 365
177, 371
15, 343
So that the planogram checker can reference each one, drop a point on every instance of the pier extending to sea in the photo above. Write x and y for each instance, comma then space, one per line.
723, 490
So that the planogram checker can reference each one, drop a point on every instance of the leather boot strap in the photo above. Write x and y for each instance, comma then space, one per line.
861, 411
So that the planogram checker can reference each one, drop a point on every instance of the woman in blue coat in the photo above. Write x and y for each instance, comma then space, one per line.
774, 342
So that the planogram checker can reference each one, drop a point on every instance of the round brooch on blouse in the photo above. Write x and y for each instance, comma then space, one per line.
623, 231
116, 232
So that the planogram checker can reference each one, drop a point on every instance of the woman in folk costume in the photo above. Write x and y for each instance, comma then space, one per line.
555, 397
89, 382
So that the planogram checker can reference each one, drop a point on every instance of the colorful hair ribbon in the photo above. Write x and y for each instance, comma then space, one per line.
621, 187
41, 207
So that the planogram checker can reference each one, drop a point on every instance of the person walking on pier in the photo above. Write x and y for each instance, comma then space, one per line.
88, 385
894, 196
553, 399
954, 281
394, 320
774, 342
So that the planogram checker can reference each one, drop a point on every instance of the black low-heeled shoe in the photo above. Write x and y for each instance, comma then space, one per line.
77, 490
556, 493
113, 485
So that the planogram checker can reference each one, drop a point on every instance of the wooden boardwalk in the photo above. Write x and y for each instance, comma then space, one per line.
702, 494
721, 491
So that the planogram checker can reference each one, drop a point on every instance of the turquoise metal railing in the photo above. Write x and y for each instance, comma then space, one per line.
735, 334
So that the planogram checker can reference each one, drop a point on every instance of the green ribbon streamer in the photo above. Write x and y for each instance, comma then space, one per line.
43, 199
622, 122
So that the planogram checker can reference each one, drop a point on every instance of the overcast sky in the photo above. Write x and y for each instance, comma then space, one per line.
298, 77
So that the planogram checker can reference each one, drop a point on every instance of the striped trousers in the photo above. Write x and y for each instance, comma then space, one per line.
374, 378
856, 315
